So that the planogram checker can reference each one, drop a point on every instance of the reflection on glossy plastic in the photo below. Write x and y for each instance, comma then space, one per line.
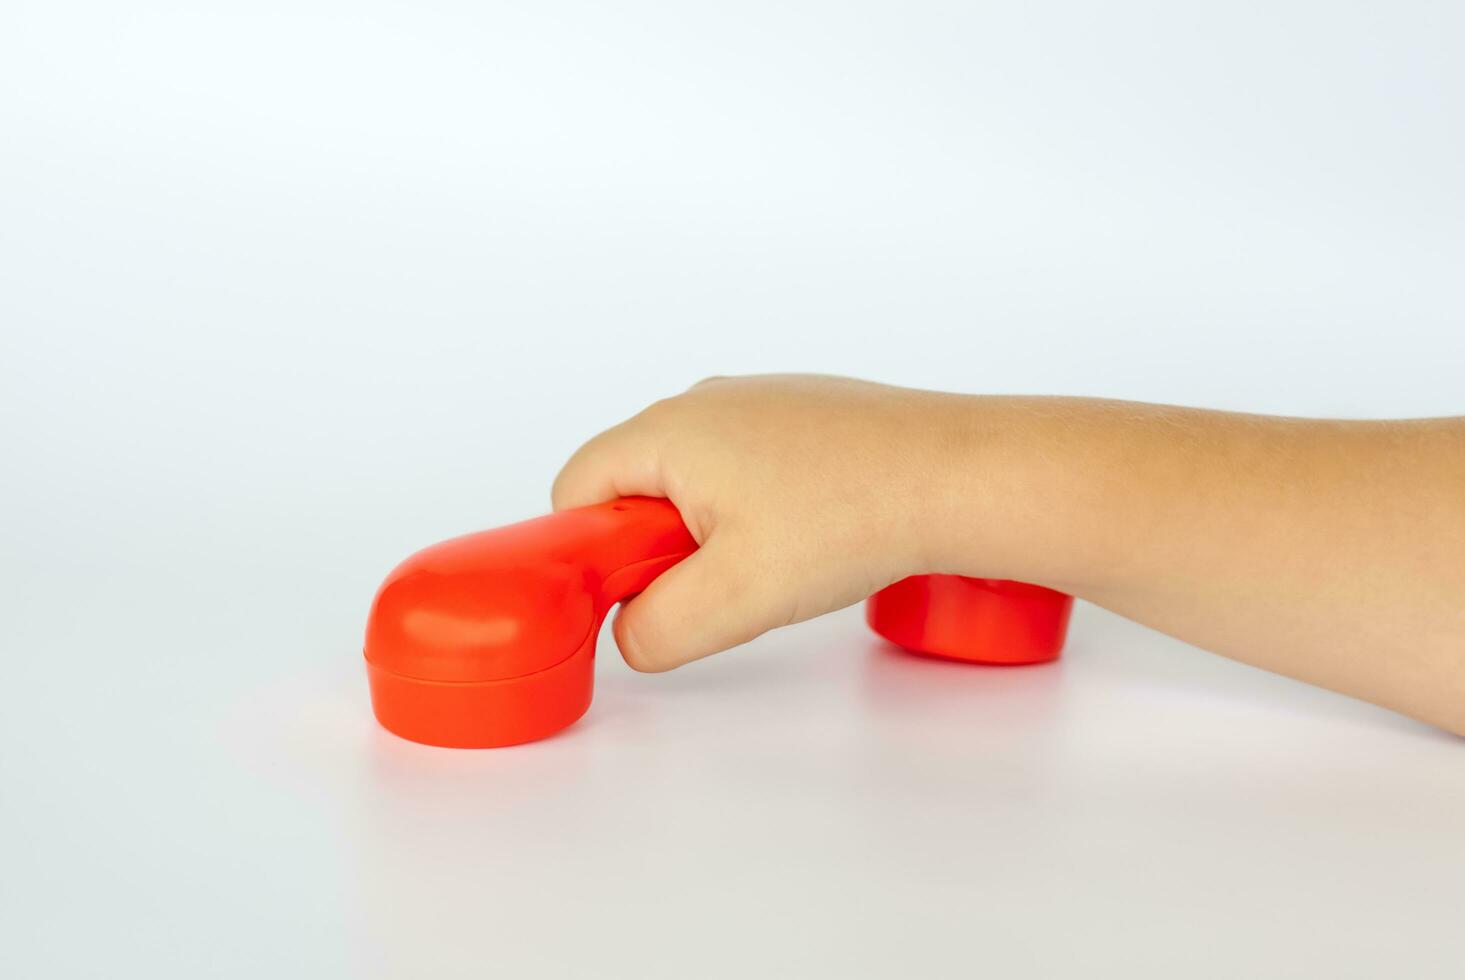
489, 639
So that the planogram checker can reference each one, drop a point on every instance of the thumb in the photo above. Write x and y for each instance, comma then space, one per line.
708, 602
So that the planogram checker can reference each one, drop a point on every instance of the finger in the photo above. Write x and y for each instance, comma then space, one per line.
613, 464
709, 602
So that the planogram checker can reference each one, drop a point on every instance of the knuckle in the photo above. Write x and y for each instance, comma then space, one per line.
658, 409
559, 490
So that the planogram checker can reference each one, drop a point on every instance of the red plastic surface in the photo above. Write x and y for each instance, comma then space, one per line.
489, 639
979, 620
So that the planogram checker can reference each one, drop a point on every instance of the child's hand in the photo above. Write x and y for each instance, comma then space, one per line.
1329, 551
805, 493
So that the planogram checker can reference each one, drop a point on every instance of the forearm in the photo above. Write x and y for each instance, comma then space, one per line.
1329, 551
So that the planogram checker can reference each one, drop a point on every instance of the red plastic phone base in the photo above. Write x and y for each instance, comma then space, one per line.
489, 639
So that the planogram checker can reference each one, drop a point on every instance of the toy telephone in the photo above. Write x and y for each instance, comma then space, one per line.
489, 639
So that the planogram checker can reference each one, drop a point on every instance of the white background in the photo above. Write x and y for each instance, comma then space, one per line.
289, 290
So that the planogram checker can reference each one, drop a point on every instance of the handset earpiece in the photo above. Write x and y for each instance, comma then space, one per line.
976, 620
489, 639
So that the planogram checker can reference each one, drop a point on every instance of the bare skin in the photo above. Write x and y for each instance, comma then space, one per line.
1329, 551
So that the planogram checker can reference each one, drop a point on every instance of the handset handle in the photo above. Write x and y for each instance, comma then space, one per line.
627, 543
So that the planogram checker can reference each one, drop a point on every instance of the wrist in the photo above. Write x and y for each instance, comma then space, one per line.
1024, 489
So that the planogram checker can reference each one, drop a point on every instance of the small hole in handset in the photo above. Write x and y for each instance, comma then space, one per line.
621, 507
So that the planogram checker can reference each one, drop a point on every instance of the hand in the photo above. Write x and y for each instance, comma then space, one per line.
806, 494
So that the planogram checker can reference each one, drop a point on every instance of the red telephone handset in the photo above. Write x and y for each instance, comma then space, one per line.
489, 639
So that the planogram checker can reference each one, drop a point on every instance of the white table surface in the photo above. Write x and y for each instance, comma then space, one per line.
288, 291
212, 798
